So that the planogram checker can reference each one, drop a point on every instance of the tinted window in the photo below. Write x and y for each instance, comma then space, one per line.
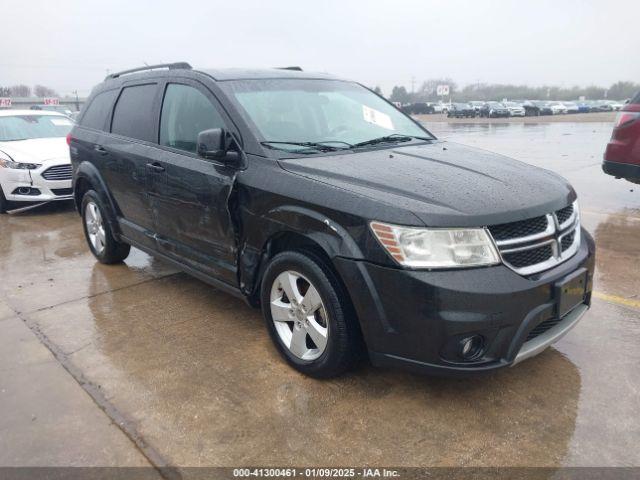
636, 99
133, 115
186, 112
95, 115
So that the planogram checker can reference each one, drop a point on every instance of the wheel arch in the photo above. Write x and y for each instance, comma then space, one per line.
87, 177
290, 228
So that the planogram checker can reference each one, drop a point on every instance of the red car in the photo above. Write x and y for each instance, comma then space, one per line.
622, 156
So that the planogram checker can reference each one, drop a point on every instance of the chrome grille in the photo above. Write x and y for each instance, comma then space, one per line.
567, 240
526, 258
58, 172
523, 228
537, 244
564, 214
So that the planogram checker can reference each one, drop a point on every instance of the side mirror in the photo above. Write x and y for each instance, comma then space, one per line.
217, 144
211, 144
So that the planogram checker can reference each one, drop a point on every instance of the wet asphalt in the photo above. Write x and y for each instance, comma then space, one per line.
137, 364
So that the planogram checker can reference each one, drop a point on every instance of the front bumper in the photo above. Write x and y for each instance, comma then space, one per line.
412, 318
13, 181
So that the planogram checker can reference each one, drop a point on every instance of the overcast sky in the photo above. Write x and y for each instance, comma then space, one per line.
70, 44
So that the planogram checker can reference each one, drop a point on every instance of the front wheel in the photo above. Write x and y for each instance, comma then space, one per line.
97, 231
308, 315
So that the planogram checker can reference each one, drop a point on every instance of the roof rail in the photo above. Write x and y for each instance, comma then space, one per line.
296, 69
170, 66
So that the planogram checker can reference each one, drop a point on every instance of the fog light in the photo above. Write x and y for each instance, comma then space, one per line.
471, 347
26, 191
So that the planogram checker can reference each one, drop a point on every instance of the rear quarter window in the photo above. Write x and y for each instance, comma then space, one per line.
97, 112
636, 99
133, 115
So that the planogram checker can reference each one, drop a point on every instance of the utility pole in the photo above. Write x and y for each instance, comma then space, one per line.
413, 85
75, 92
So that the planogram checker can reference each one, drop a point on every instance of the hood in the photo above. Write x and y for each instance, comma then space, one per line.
444, 184
36, 150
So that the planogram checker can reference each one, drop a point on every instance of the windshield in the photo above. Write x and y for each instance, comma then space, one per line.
23, 127
325, 112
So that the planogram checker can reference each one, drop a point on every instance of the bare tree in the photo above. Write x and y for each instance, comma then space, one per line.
20, 90
623, 90
42, 91
399, 94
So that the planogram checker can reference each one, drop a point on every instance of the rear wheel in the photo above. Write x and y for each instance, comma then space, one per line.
308, 315
98, 232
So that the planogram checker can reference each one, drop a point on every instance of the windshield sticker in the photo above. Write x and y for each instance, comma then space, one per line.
377, 118
59, 122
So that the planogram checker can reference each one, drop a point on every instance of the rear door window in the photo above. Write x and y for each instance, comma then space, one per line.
97, 112
186, 112
133, 115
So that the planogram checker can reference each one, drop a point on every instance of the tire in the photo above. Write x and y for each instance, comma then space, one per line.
3, 202
97, 231
334, 315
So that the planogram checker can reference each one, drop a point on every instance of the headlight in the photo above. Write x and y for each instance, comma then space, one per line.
437, 247
6, 162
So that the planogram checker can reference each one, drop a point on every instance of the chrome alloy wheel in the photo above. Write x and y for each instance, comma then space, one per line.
299, 315
95, 227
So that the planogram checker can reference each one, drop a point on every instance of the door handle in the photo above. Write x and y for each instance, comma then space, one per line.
100, 149
156, 167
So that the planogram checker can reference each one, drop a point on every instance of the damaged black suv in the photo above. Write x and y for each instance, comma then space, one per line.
355, 229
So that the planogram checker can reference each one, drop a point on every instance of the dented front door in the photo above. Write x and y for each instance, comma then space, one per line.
189, 195
189, 203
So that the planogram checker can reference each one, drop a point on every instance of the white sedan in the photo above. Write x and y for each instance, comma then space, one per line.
571, 107
515, 109
34, 157
558, 108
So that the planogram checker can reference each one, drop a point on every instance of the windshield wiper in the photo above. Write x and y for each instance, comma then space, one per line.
317, 146
393, 138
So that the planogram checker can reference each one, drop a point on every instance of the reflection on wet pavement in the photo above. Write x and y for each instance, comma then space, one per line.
194, 371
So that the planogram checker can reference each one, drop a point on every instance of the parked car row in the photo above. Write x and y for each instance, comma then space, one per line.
513, 108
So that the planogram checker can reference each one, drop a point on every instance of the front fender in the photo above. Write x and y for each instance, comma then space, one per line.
327, 233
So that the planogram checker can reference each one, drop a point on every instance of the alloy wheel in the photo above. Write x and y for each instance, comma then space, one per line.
299, 315
95, 227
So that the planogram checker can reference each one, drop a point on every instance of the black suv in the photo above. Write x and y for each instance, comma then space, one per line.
354, 228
